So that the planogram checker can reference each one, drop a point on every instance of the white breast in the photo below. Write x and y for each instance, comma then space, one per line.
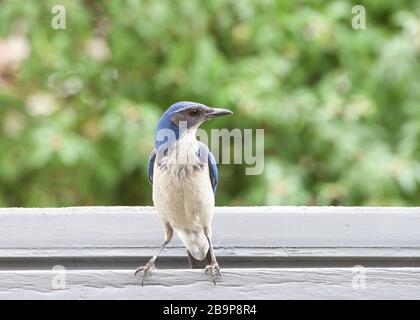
183, 194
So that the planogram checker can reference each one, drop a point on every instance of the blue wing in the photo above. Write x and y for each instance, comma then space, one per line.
211, 161
151, 166
214, 175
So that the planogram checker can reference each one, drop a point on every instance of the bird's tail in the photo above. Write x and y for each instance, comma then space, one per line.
196, 244
199, 264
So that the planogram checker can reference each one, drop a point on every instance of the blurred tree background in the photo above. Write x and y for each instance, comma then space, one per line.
340, 107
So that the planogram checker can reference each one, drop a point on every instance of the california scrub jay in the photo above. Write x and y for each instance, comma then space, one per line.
184, 176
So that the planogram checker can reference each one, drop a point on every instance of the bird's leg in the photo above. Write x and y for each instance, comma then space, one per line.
213, 268
149, 266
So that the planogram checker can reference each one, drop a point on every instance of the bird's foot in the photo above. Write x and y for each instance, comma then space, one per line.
146, 270
213, 269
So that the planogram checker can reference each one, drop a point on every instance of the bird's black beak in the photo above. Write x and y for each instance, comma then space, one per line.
217, 112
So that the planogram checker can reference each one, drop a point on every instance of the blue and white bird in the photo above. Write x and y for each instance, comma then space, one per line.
184, 176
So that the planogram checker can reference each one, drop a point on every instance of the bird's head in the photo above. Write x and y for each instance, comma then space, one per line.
186, 115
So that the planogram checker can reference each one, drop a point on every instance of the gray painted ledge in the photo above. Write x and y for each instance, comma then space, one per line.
100, 248
295, 283
243, 231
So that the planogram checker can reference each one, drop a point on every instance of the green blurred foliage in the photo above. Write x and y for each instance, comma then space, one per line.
340, 107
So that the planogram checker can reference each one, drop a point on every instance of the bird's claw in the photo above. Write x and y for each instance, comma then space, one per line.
213, 269
146, 269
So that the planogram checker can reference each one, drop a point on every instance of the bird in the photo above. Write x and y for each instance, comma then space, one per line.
184, 177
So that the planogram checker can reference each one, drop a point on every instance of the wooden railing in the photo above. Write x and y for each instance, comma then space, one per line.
264, 253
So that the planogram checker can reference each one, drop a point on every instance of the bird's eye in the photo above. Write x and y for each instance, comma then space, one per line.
193, 112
